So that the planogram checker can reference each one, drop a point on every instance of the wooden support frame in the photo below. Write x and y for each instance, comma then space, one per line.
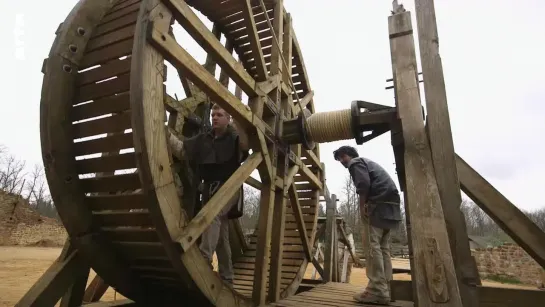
442, 150
505, 214
433, 269
65, 278
487, 296
510, 219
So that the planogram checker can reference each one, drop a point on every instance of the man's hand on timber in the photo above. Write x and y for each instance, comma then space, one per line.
175, 144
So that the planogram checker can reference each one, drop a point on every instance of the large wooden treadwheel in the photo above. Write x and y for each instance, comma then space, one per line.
103, 132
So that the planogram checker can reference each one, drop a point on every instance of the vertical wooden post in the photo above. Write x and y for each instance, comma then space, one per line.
442, 149
432, 268
329, 237
277, 241
345, 265
263, 245
334, 254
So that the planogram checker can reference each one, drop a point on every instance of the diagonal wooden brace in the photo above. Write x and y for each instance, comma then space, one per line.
205, 217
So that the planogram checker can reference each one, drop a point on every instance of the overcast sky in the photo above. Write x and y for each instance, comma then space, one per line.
492, 59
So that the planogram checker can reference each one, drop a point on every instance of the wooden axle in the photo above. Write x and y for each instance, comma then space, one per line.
331, 126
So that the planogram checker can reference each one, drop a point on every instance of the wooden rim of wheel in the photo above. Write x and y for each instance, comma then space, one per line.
105, 150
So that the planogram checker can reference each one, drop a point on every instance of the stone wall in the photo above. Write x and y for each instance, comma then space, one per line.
510, 261
21, 225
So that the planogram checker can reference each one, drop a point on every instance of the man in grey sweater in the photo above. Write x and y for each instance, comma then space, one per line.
380, 210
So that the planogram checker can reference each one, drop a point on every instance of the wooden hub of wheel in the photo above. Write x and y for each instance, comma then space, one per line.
105, 108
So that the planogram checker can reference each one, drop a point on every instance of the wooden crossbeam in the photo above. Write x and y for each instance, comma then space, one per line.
303, 102
270, 84
213, 207
257, 53
198, 30
433, 270
184, 106
181, 59
251, 181
510, 219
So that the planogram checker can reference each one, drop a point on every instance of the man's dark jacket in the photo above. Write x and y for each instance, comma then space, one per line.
382, 196
215, 160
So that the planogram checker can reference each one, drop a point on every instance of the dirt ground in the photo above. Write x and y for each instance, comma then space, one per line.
20, 267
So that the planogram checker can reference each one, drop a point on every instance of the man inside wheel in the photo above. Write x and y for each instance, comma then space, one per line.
214, 156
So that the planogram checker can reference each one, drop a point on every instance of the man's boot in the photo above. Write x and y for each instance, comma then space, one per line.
368, 298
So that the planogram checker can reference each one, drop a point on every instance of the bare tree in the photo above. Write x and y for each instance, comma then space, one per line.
37, 193
11, 172
399, 234
32, 187
538, 217
251, 208
349, 209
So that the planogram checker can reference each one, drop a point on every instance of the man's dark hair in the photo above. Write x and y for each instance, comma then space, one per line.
347, 150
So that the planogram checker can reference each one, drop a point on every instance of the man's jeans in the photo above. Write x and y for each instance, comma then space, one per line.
216, 239
378, 263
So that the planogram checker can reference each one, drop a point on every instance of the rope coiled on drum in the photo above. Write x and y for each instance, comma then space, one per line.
330, 126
